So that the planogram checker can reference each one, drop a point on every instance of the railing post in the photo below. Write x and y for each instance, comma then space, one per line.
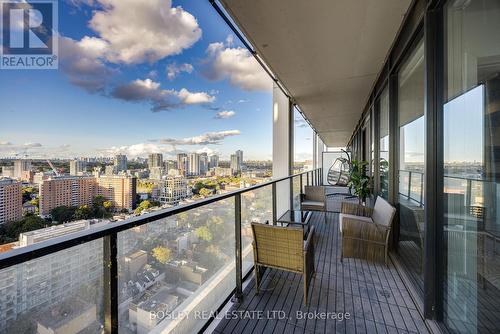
300, 184
468, 196
275, 207
291, 193
110, 262
307, 174
238, 296
409, 185
421, 189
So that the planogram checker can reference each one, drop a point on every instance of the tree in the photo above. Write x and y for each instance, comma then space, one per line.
108, 205
204, 233
83, 212
162, 254
11, 230
205, 192
62, 213
143, 206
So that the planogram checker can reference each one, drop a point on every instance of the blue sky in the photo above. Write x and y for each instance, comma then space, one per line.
137, 77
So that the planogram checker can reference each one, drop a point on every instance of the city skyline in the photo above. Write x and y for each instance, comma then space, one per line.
177, 90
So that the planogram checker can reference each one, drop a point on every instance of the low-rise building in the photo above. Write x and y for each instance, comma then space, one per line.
171, 190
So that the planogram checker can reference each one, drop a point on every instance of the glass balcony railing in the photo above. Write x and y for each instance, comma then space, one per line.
166, 271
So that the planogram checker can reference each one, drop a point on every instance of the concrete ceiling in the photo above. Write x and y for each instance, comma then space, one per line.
327, 53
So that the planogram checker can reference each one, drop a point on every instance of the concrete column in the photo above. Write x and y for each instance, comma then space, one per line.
282, 147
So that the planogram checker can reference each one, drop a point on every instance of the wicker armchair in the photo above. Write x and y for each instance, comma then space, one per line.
365, 231
313, 199
283, 248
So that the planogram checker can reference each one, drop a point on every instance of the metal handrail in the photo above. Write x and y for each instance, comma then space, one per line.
109, 233
23, 254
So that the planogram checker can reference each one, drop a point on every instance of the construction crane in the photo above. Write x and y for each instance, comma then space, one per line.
53, 168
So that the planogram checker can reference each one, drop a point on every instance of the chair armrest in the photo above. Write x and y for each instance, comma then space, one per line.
359, 229
356, 209
310, 239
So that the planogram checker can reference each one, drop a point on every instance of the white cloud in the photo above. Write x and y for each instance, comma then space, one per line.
32, 145
82, 64
174, 70
208, 138
127, 32
225, 114
139, 31
188, 97
5, 143
237, 65
136, 150
160, 99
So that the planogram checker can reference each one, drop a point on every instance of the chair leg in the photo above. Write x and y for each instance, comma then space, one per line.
256, 273
305, 289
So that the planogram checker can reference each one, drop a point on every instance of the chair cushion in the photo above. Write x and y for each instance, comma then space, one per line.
345, 215
383, 212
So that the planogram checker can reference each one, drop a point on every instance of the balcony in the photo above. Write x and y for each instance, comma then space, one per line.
211, 261
353, 296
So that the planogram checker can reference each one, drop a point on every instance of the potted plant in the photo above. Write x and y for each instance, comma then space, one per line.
359, 181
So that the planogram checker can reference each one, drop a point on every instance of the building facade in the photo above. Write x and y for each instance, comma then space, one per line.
80, 190
155, 160
11, 200
120, 162
77, 167
193, 164
171, 190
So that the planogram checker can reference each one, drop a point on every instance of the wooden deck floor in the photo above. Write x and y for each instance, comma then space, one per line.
371, 293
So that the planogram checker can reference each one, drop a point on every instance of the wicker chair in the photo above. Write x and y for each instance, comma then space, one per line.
283, 248
365, 231
313, 199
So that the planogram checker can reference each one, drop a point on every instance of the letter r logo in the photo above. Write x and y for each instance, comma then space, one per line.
27, 27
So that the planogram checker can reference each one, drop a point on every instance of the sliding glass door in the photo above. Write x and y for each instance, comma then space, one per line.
471, 193
410, 173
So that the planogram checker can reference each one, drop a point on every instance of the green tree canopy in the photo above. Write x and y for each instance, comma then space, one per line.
82, 212
62, 214
162, 254
204, 233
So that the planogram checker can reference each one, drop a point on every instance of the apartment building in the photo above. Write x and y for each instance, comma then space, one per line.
171, 190
214, 161
11, 201
120, 189
182, 163
80, 190
67, 191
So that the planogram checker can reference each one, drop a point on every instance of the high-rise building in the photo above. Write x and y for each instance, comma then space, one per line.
203, 163
182, 163
193, 164
120, 162
20, 166
11, 200
155, 160
235, 164
239, 153
214, 161
77, 167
